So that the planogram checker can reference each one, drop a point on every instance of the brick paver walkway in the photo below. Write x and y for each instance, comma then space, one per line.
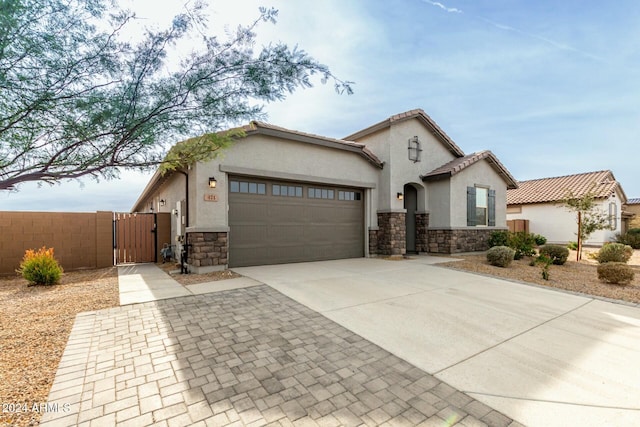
242, 357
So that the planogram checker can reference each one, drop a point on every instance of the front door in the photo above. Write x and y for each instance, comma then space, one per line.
411, 205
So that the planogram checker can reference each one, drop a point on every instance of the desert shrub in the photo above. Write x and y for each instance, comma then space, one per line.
629, 238
40, 267
500, 256
558, 254
523, 243
572, 246
545, 262
539, 239
614, 252
617, 273
499, 238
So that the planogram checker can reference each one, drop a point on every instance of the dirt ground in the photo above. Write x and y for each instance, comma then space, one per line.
192, 279
573, 276
34, 328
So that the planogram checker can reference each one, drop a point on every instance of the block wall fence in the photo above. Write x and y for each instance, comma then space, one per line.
80, 240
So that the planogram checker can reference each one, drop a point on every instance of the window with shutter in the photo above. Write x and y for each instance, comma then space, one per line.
481, 207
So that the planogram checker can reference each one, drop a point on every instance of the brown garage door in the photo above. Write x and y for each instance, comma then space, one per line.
275, 222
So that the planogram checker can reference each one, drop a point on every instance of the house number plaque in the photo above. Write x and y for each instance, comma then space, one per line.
211, 197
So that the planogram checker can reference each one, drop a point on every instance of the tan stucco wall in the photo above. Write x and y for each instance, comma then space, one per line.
440, 206
391, 146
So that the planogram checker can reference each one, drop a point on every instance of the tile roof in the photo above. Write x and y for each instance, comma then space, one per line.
407, 115
635, 201
544, 190
456, 165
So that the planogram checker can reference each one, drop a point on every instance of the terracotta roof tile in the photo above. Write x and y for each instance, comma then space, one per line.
601, 183
459, 164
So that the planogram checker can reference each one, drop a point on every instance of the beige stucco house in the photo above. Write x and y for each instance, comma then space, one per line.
540, 202
632, 207
399, 186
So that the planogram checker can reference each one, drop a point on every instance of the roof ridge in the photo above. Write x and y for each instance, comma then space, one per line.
568, 176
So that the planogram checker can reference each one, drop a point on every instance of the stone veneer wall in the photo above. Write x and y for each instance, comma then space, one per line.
422, 230
208, 249
392, 233
460, 240
373, 242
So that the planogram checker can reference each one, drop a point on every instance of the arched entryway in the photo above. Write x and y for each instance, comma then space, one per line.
411, 205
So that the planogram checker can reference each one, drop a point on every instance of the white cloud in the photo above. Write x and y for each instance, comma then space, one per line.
443, 7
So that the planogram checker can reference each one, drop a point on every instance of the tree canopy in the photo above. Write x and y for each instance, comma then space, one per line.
79, 98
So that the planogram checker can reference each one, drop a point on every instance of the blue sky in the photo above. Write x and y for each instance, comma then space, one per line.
550, 87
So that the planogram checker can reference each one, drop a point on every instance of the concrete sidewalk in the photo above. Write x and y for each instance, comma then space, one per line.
540, 356
140, 283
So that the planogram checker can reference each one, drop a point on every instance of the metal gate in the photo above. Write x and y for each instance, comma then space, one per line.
134, 237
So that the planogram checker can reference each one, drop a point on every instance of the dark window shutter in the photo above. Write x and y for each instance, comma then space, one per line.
492, 208
471, 206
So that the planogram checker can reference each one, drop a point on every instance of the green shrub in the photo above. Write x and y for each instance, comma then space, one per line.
572, 246
40, 267
614, 252
539, 239
629, 238
558, 254
545, 261
500, 256
499, 238
523, 243
617, 273
633, 231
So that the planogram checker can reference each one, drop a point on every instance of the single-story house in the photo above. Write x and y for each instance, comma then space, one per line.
540, 202
279, 195
633, 208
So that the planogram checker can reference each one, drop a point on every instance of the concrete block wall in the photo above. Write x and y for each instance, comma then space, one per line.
80, 240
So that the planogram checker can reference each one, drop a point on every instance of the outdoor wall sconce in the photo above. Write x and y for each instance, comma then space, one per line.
212, 182
163, 202
414, 149
400, 196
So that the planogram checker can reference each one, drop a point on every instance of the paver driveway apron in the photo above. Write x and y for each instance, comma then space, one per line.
542, 357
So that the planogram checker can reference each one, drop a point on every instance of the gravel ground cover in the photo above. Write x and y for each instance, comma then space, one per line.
193, 279
572, 276
35, 323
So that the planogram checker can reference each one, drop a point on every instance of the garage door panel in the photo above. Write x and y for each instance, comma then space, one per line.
271, 229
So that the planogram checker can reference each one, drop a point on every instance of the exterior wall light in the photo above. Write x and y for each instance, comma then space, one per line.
400, 196
212, 182
163, 202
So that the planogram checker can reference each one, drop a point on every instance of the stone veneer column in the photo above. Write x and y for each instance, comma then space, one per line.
208, 251
373, 241
392, 233
422, 229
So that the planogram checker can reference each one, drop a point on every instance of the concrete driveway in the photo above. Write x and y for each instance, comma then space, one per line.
542, 357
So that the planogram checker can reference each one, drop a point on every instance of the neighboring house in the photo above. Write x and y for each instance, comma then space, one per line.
633, 208
540, 202
278, 195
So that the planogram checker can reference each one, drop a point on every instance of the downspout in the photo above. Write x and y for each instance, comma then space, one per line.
186, 199
185, 246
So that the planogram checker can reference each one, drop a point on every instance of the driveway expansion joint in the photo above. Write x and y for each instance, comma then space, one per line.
511, 338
